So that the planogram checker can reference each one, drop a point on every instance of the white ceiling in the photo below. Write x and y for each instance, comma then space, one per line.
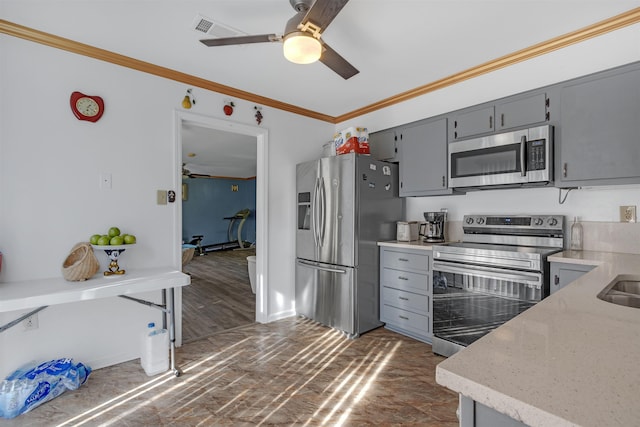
217, 153
397, 45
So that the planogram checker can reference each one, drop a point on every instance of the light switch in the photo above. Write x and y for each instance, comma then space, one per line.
162, 197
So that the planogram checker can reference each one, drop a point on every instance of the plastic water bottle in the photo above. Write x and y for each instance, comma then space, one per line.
576, 235
154, 355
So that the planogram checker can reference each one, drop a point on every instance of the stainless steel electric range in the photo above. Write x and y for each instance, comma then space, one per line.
499, 270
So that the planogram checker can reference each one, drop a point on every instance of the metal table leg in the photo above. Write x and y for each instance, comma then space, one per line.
172, 332
168, 308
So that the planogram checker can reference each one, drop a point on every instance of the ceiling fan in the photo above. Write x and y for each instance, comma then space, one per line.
302, 36
186, 173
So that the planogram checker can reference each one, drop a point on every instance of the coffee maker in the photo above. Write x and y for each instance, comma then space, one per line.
432, 230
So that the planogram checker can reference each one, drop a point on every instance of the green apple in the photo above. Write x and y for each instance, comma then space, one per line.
114, 231
116, 241
94, 239
129, 239
103, 240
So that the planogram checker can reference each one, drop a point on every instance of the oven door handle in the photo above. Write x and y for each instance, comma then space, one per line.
533, 280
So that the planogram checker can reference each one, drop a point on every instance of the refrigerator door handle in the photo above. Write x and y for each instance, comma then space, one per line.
314, 213
318, 267
323, 209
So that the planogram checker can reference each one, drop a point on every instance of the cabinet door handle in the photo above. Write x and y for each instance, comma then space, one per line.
403, 259
443, 183
407, 299
403, 278
502, 119
564, 170
490, 122
403, 317
556, 279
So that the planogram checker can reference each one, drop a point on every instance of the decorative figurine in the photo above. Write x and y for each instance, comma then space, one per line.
228, 108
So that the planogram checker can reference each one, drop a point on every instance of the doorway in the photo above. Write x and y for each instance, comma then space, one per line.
186, 120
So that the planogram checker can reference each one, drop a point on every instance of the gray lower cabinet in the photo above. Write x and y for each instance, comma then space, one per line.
423, 159
405, 291
562, 274
599, 136
474, 414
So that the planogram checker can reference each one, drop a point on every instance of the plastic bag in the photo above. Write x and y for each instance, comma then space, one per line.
31, 386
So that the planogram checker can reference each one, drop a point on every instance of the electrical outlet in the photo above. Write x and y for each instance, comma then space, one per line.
31, 322
627, 214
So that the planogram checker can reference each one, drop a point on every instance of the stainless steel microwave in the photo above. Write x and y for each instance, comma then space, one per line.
520, 157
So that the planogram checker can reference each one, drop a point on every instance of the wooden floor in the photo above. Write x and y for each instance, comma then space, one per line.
292, 372
219, 297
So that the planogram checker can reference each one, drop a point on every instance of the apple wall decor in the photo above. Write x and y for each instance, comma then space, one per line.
86, 107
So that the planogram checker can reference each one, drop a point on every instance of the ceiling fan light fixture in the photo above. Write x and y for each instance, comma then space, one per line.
301, 48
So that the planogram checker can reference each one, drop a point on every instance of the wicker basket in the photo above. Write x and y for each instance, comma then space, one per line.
81, 264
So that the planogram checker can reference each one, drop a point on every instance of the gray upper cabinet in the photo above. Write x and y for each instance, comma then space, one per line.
514, 112
423, 159
599, 136
520, 112
384, 145
469, 123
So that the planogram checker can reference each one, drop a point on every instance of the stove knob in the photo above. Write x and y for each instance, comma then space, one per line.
480, 220
469, 220
538, 221
552, 221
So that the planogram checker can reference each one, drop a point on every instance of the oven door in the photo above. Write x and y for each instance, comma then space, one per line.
471, 301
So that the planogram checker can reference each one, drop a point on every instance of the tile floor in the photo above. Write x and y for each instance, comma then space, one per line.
289, 372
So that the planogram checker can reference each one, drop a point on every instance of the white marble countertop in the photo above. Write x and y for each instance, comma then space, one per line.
571, 360
585, 257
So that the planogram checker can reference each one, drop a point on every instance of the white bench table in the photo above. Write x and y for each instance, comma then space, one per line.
41, 293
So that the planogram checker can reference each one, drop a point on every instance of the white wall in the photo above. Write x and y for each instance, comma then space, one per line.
607, 51
50, 165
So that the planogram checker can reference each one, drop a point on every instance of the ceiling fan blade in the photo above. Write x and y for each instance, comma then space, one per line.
322, 12
337, 63
225, 41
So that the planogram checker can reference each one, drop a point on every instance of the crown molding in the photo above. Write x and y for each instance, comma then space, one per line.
608, 25
615, 23
58, 42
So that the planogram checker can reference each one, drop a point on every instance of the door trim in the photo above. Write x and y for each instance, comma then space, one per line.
262, 188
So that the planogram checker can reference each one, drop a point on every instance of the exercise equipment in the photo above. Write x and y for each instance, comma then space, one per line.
241, 216
237, 220
197, 242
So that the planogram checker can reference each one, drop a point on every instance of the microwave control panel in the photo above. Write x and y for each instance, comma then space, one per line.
536, 155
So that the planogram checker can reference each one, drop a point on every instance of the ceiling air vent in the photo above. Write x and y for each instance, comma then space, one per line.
204, 25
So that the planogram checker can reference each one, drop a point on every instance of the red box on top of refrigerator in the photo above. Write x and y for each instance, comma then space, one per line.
352, 140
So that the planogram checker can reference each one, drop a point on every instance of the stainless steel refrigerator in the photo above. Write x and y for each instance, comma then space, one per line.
346, 204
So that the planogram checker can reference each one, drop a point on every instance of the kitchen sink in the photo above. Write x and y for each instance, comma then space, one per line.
622, 292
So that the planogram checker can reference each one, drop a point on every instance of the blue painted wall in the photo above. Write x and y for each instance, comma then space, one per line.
209, 201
